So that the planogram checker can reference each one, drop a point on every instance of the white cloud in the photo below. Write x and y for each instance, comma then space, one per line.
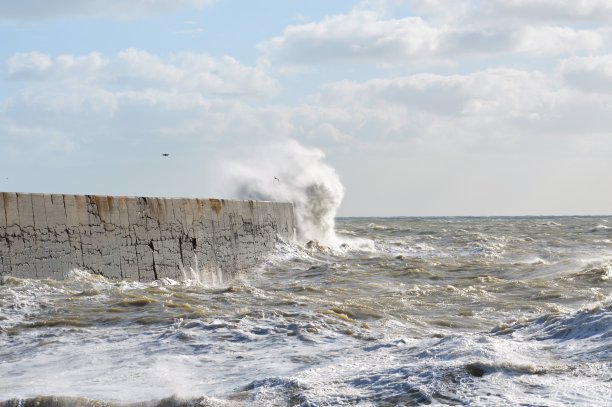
136, 69
71, 99
590, 74
27, 65
496, 11
189, 31
134, 98
499, 92
499, 118
524, 127
193, 95
36, 66
224, 76
32, 10
22, 140
357, 36
555, 40
500, 140
371, 36
438, 10
552, 10
497, 111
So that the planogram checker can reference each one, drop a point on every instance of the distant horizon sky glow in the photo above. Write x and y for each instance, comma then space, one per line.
423, 107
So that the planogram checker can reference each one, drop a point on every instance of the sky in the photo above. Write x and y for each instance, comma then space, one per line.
422, 107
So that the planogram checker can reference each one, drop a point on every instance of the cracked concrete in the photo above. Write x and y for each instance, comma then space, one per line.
135, 238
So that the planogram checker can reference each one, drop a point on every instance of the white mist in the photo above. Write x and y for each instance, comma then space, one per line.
291, 172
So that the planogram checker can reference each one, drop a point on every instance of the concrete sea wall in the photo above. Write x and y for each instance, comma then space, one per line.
135, 238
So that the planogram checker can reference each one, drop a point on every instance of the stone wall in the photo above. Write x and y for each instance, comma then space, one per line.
45, 236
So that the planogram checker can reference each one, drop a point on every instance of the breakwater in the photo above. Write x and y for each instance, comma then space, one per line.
135, 238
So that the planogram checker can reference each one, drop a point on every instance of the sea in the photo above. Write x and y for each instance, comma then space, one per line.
478, 311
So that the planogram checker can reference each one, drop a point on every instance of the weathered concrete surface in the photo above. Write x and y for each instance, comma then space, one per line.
45, 236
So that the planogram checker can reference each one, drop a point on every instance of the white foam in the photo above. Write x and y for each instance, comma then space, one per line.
204, 276
404, 338
290, 172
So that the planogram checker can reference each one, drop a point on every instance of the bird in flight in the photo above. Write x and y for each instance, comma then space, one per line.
276, 179
165, 154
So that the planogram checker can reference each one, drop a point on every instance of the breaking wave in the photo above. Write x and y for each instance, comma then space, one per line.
63, 401
593, 323
290, 172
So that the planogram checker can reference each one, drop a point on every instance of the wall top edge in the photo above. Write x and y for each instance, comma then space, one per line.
142, 197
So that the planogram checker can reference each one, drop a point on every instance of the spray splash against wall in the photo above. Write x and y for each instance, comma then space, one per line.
290, 172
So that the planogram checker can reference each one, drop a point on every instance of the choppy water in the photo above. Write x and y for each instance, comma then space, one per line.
446, 311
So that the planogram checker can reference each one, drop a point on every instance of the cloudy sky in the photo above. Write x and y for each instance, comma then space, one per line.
423, 107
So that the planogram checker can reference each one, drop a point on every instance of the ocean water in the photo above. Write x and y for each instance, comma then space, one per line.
406, 311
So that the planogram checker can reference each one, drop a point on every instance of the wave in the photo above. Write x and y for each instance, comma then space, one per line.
290, 172
480, 369
67, 401
550, 223
600, 228
596, 272
391, 388
594, 324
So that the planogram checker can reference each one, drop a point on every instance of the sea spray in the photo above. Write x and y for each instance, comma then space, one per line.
207, 276
291, 172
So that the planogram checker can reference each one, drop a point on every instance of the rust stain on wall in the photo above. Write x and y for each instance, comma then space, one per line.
216, 205
103, 208
127, 238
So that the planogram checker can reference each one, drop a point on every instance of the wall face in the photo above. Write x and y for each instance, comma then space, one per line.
45, 236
